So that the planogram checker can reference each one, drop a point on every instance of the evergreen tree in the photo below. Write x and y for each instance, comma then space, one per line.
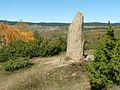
105, 69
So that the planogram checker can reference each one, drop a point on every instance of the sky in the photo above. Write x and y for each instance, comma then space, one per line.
60, 10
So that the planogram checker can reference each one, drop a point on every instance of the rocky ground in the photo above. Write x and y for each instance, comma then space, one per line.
51, 73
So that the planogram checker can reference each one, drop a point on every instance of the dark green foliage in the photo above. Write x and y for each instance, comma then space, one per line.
105, 69
15, 53
39, 47
52, 46
16, 49
4, 55
17, 64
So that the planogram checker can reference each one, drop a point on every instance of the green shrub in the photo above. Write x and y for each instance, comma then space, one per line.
51, 47
105, 69
6, 53
14, 50
4, 56
39, 47
17, 64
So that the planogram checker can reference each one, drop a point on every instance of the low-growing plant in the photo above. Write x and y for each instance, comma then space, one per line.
52, 46
14, 50
38, 47
17, 64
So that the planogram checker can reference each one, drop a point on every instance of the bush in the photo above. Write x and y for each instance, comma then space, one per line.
39, 47
6, 53
15, 53
17, 64
105, 69
14, 50
52, 46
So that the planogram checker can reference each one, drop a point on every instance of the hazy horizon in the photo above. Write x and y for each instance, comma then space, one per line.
59, 22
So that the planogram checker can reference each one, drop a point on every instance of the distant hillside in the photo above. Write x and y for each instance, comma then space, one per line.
41, 23
100, 24
60, 24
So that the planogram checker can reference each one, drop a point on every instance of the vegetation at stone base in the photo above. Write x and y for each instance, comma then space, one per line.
105, 69
51, 45
18, 63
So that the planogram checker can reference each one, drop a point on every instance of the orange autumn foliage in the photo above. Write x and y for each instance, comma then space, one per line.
9, 33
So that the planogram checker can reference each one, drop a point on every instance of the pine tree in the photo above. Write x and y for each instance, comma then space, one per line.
105, 69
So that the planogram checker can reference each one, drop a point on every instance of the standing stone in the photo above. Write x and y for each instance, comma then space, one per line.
75, 38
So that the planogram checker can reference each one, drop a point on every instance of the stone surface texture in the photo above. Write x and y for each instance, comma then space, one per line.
75, 38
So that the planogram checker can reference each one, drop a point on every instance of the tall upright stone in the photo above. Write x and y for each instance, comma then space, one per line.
75, 38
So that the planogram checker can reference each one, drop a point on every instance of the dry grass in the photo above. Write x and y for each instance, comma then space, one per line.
50, 73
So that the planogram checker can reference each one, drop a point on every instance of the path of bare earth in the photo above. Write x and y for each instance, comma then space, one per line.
42, 65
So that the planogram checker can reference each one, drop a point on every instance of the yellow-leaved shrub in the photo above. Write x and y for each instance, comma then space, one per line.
8, 33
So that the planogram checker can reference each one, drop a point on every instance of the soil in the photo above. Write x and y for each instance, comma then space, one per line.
51, 73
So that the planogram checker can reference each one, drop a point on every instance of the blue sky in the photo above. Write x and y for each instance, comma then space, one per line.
59, 10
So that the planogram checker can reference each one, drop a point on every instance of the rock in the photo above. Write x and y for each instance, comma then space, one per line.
75, 38
74, 74
89, 57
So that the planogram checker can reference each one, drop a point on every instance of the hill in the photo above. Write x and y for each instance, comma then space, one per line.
60, 24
